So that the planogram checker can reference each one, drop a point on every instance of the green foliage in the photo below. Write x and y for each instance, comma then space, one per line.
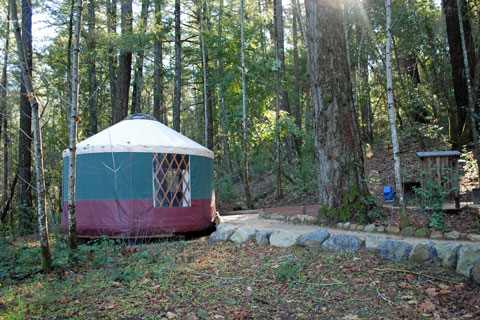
433, 196
470, 169
225, 188
287, 271
357, 206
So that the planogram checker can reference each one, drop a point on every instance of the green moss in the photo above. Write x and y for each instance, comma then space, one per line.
355, 205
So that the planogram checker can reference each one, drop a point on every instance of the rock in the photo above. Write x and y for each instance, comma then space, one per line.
473, 237
453, 235
393, 230
313, 239
342, 242
340, 225
263, 237
395, 250
422, 232
408, 232
448, 253
380, 229
476, 271
171, 315
243, 234
276, 216
360, 227
374, 243
467, 256
353, 227
223, 233
369, 228
423, 251
346, 225
436, 234
282, 238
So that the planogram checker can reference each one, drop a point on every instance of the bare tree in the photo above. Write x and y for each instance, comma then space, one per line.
92, 69
124, 66
112, 61
138, 77
26, 217
159, 111
178, 69
244, 111
72, 130
391, 114
37, 139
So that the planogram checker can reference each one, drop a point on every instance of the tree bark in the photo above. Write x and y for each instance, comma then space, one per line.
138, 77
72, 130
339, 151
279, 43
3, 111
458, 68
124, 65
207, 99
92, 70
221, 93
37, 137
178, 69
391, 115
26, 218
246, 186
296, 71
471, 105
159, 111
112, 60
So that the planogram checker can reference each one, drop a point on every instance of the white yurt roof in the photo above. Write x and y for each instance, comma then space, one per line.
140, 133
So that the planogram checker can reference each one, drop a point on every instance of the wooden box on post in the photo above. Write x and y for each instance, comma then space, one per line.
442, 167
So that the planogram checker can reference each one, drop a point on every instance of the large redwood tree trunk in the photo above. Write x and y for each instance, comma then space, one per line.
340, 159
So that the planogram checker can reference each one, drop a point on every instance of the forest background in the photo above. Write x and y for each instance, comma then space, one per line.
181, 61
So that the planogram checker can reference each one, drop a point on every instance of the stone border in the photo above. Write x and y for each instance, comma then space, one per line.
371, 228
465, 258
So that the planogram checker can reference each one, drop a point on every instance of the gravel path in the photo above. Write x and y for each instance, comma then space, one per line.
258, 223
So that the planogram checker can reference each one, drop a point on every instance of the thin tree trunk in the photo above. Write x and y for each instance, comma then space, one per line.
296, 71
138, 77
3, 110
471, 105
277, 127
391, 114
346, 30
26, 218
72, 131
244, 111
124, 65
112, 59
158, 99
206, 105
37, 138
279, 42
178, 69
69, 52
460, 89
221, 89
92, 70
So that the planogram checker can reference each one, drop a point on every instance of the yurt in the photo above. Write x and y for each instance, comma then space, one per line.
139, 178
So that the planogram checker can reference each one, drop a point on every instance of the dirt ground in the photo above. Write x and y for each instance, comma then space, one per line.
258, 223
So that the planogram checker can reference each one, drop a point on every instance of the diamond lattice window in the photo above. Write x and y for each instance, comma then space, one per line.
171, 180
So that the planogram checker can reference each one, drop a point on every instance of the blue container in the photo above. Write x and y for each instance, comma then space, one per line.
388, 194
